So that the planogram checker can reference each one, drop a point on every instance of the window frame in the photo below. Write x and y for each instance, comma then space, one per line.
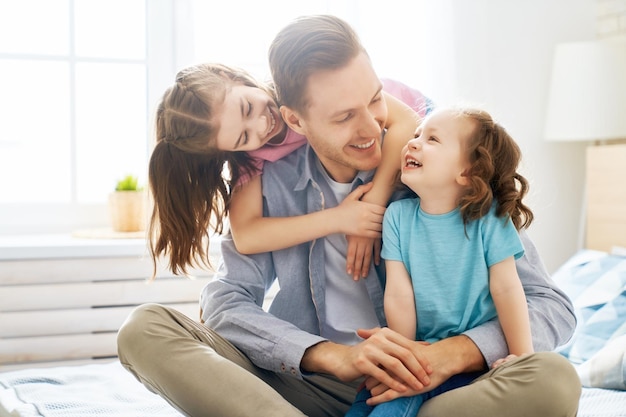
169, 43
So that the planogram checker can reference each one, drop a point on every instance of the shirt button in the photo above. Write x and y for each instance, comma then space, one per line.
283, 368
293, 371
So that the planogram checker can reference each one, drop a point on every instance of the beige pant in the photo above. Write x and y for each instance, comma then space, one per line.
202, 374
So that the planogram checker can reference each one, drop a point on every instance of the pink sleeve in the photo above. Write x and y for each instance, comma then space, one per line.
273, 153
408, 95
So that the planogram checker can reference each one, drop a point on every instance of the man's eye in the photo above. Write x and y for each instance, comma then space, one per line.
345, 119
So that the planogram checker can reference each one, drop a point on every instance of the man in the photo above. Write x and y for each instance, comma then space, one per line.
303, 357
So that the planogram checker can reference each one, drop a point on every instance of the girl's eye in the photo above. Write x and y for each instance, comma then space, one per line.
249, 108
433, 139
245, 138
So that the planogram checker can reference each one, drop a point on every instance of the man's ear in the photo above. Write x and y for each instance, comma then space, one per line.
293, 119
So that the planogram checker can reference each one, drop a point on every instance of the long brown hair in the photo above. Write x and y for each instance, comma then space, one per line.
494, 158
189, 185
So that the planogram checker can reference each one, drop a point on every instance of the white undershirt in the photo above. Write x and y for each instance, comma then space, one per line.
348, 306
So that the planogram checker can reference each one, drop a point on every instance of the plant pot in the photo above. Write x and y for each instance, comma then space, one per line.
128, 211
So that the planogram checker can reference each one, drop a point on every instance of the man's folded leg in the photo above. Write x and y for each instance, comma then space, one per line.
540, 384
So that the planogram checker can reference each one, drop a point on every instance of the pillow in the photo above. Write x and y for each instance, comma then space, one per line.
607, 368
596, 283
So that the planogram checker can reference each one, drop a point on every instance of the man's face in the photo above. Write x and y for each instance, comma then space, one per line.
345, 118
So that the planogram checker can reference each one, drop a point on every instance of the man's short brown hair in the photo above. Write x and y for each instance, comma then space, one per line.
307, 45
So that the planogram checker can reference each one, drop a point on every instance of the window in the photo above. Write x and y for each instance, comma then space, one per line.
77, 78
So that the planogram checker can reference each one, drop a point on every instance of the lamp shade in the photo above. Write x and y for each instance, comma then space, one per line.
587, 96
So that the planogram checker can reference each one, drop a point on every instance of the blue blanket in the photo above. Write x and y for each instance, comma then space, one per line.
596, 283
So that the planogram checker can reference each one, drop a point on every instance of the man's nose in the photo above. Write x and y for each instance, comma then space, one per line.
371, 125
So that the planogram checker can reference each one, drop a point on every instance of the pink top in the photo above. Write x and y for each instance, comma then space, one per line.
273, 152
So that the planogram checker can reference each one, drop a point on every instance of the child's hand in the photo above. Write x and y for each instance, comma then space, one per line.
359, 257
358, 218
362, 223
502, 360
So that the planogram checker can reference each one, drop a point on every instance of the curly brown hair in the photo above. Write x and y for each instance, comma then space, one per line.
494, 157
190, 180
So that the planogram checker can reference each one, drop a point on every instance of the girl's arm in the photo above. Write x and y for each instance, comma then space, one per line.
399, 300
253, 233
510, 301
401, 124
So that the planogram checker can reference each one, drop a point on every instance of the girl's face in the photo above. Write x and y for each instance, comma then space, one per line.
249, 119
435, 161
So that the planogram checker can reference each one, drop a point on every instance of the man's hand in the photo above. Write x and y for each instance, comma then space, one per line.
385, 355
447, 357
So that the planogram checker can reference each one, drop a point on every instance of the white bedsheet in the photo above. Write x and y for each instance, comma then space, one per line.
109, 390
79, 391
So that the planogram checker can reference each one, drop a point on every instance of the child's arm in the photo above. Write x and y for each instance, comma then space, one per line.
401, 124
510, 301
399, 300
253, 233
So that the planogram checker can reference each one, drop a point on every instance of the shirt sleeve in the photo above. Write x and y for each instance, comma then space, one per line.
413, 98
391, 233
500, 238
232, 305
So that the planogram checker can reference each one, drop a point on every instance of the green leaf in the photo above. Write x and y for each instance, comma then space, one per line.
128, 183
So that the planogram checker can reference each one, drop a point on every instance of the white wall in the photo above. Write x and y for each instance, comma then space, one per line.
504, 56
497, 53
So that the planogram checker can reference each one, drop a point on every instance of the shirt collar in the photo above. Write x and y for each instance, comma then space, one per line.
311, 173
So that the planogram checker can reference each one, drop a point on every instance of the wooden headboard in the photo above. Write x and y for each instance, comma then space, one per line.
606, 197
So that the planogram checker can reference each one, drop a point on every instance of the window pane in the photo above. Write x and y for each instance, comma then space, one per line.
111, 127
110, 29
34, 27
35, 136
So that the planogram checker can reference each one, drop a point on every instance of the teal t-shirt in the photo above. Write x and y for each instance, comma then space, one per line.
448, 264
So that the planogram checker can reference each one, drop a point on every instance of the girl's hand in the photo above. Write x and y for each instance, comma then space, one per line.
358, 218
359, 258
502, 360
362, 223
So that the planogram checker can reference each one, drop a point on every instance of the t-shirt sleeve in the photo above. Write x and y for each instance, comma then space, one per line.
391, 233
272, 153
501, 239
413, 98
246, 176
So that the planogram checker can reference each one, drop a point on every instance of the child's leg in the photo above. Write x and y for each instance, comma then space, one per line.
456, 381
405, 406
359, 408
400, 407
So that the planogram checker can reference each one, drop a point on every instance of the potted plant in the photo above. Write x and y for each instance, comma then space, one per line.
127, 205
